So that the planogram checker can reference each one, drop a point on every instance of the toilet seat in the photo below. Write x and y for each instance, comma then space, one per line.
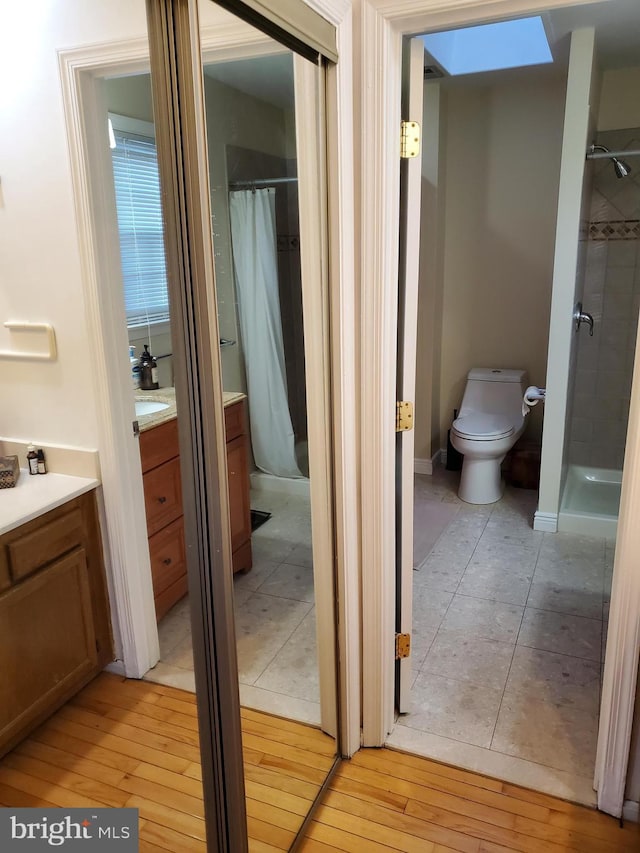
482, 427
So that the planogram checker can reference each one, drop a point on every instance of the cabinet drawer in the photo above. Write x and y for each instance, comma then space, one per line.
162, 495
45, 544
234, 420
158, 445
167, 555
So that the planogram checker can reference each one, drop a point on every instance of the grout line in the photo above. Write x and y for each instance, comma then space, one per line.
504, 690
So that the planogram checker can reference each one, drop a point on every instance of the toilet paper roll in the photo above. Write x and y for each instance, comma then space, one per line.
532, 397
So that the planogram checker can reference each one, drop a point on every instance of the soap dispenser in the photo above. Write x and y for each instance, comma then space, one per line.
135, 367
148, 371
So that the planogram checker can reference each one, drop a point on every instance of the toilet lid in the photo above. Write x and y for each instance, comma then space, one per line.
480, 426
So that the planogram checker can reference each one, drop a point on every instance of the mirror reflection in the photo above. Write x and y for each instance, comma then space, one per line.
251, 135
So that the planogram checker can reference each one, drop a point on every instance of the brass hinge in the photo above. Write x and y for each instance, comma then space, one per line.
403, 646
409, 139
404, 415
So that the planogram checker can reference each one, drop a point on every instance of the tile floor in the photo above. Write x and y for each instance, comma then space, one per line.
508, 636
509, 631
275, 617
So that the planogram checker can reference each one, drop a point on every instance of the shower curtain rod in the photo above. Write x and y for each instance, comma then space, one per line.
607, 155
260, 182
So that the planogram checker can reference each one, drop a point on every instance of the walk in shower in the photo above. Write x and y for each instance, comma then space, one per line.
600, 384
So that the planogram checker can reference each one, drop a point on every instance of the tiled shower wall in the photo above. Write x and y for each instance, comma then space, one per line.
612, 295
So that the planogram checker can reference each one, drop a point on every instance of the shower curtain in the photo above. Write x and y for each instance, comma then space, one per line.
253, 237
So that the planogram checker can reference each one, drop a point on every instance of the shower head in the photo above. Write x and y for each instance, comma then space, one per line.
621, 168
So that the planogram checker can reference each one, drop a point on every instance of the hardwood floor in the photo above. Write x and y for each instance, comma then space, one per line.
133, 743
387, 800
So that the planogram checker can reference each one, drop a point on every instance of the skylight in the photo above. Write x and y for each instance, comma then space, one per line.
489, 47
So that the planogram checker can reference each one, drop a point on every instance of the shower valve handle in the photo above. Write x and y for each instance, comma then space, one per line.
581, 316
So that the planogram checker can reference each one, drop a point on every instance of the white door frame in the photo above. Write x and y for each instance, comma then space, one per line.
132, 595
384, 22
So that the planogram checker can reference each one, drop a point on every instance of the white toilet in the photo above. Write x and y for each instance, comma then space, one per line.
489, 423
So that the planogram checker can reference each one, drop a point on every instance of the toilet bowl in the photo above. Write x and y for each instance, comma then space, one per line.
490, 422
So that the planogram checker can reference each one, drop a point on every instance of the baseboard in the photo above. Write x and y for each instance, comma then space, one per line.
423, 466
546, 521
631, 811
116, 667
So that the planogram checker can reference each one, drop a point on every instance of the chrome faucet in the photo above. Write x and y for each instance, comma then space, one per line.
581, 316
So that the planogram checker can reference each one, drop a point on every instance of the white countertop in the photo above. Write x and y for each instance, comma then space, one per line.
35, 494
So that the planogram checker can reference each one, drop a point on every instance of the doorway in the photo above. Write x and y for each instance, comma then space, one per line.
477, 570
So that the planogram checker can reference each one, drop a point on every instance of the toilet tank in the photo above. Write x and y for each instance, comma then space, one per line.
494, 390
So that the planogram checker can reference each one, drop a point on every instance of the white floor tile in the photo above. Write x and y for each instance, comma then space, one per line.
578, 599
556, 679
280, 704
289, 581
499, 571
489, 619
454, 709
293, 671
549, 733
455, 654
264, 623
561, 633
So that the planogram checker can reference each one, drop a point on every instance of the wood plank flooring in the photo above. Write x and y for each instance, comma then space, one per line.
384, 800
134, 743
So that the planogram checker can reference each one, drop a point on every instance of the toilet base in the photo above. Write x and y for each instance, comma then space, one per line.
481, 481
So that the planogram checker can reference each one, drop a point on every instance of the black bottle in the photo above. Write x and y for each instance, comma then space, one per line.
148, 371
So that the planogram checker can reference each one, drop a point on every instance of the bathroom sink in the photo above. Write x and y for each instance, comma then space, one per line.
150, 407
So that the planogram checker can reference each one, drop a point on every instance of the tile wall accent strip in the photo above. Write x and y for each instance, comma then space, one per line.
621, 229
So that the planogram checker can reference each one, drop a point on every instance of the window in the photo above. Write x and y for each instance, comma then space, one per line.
488, 47
138, 205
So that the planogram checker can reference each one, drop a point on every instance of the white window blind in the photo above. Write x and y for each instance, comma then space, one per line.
138, 205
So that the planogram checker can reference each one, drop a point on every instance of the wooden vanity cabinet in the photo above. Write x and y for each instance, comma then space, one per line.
159, 453
55, 628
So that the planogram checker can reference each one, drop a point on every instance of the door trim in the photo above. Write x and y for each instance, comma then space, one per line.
384, 22
131, 593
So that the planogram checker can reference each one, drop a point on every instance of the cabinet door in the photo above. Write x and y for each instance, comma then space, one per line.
47, 643
168, 567
162, 495
239, 507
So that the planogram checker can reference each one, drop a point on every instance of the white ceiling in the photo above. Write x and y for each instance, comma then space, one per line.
267, 78
617, 25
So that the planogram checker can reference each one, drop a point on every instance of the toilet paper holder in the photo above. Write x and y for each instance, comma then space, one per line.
581, 316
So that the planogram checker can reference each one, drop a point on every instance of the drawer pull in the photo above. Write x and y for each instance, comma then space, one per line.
167, 561
162, 500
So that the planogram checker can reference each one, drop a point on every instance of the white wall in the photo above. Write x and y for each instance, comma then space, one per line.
40, 274
619, 103
503, 138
